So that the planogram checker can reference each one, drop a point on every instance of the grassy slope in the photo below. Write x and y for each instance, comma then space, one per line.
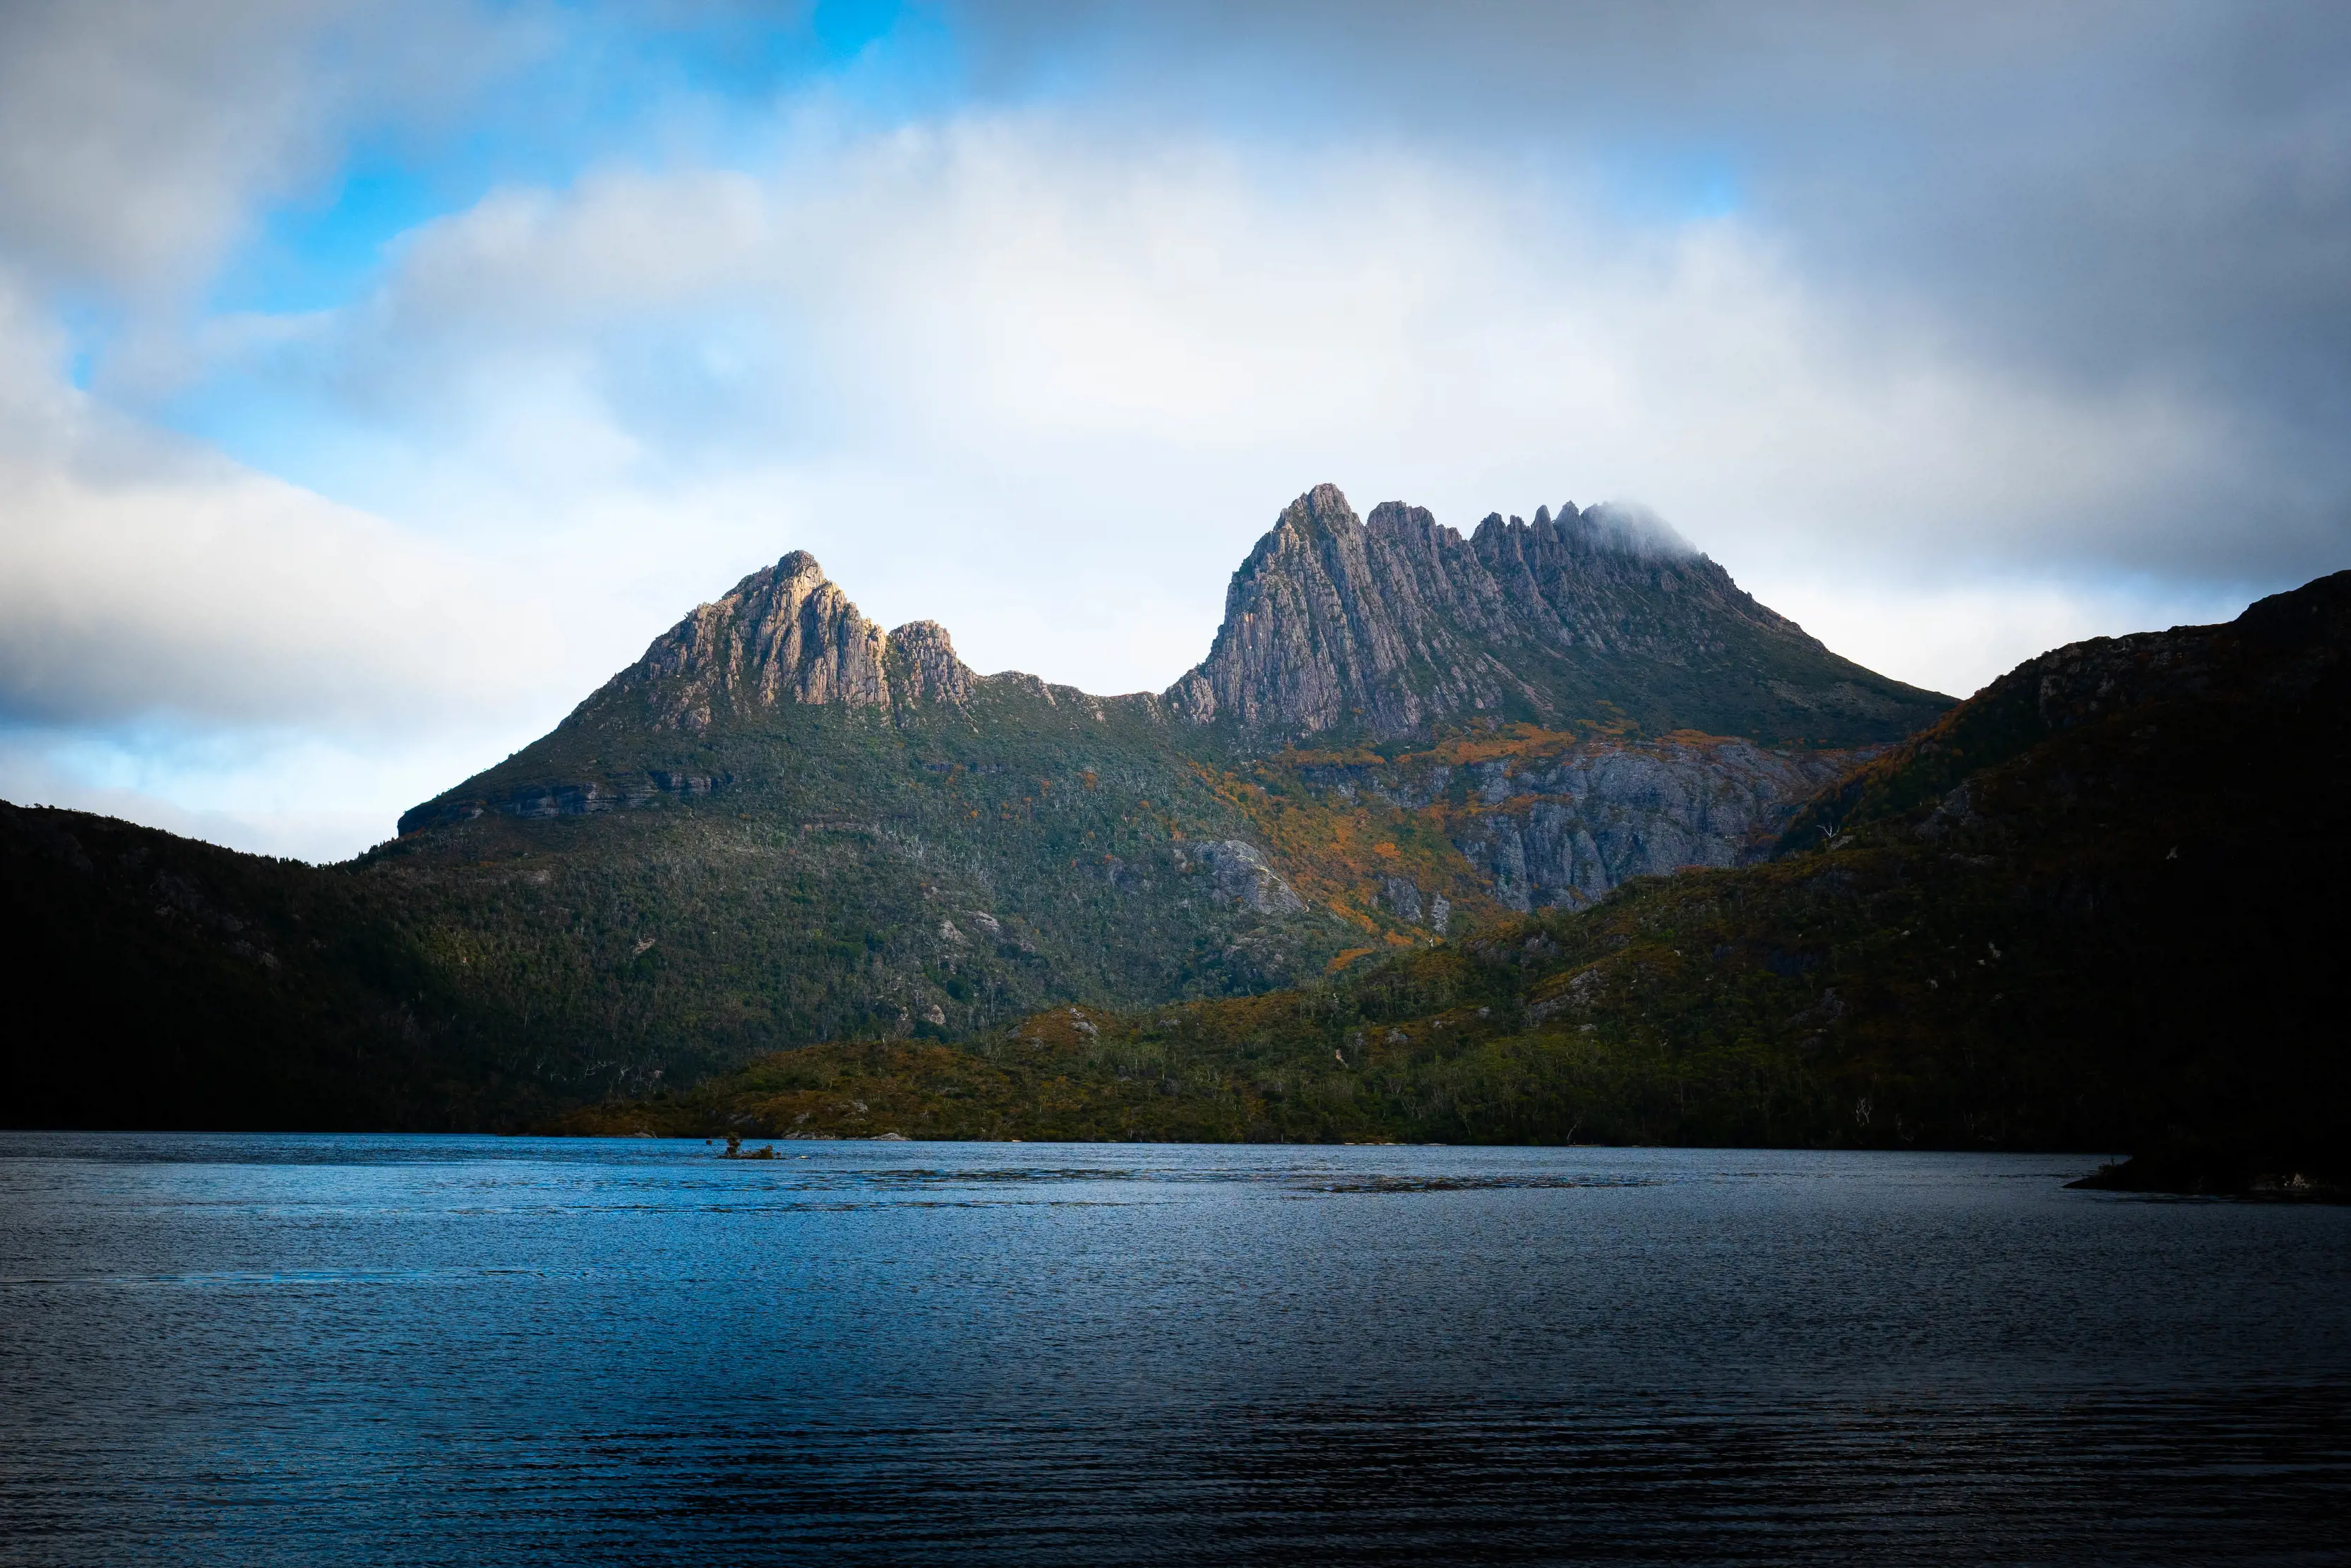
809, 896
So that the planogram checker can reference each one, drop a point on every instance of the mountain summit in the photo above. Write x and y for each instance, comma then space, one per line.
1633, 711
1396, 625
788, 634
1338, 628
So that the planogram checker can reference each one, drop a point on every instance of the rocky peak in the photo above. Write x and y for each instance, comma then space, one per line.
1395, 624
1333, 623
923, 666
788, 634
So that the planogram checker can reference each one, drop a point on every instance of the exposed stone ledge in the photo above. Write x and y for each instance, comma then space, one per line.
566, 799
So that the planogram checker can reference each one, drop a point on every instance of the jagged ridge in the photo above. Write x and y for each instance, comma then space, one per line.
788, 634
1395, 625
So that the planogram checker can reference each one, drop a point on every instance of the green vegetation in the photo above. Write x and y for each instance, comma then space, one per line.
1873, 996
848, 877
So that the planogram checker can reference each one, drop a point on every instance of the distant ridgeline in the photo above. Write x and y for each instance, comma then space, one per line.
784, 826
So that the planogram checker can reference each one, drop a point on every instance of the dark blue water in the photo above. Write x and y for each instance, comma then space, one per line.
324, 1350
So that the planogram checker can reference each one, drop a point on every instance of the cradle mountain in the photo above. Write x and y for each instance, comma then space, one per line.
785, 829
2089, 909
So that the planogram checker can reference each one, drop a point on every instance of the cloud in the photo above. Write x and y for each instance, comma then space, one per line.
134, 136
141, 139
2103, 199
1044, 384
142, 577
204, 648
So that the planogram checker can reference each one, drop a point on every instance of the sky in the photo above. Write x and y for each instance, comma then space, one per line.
376, 379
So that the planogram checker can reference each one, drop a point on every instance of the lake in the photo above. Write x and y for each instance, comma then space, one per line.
281, 1349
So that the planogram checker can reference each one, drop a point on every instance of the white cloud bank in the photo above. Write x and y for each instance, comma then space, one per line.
171, 622
142, 577
1047, 388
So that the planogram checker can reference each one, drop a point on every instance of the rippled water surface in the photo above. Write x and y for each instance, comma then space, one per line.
421, 1350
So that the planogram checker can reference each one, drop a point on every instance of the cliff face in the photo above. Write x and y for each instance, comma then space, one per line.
1528, 819
1331, 624
1557, 827
787, 634
923, 667
1396, 625
1562, 835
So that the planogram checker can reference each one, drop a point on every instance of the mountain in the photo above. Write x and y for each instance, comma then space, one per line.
784, 825
785, 638
2098, 906
1337, 627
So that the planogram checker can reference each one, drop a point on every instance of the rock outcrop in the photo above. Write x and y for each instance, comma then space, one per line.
1396, 625
787, 634
1559, 828
923, 667
1563, 835
1237, 870
581, 797
1331, 624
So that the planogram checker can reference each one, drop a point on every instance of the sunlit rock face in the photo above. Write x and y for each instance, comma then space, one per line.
1332, 623
787, 634
1395, 625
923, 667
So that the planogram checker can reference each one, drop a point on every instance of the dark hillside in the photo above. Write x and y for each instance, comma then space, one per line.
154, 981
